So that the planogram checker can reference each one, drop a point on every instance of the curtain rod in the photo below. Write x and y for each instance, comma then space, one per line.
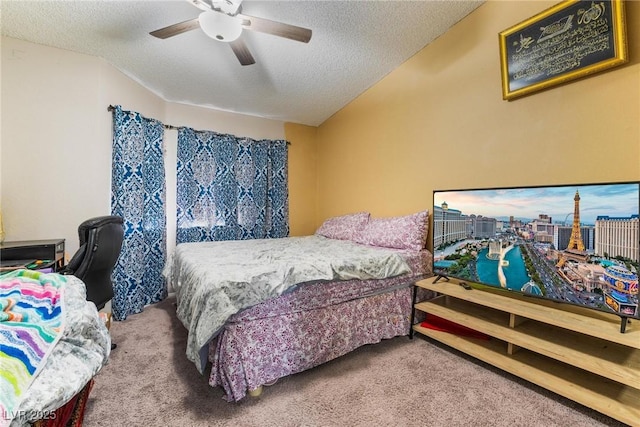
110, 108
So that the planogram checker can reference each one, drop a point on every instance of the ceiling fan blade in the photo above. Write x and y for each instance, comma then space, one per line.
175, 29
275, 28
242, 52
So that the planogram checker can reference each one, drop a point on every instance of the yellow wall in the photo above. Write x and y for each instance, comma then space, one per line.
302, 178
439, 122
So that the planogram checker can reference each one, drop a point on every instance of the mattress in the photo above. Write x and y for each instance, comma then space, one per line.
215, 280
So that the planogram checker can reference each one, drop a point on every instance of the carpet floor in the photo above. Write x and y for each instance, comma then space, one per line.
398, 382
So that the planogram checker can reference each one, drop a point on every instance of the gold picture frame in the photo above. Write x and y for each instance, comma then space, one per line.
568, 41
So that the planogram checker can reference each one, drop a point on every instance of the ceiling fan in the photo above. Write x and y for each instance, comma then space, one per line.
222, 20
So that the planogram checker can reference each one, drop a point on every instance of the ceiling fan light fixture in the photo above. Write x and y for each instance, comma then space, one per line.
220, 26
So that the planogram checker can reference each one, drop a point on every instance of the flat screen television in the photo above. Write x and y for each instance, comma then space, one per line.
575, 244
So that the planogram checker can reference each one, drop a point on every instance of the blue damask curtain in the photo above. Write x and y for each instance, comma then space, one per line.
230, 188
138, 195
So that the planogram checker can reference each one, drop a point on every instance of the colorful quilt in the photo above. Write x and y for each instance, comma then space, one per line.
31, 322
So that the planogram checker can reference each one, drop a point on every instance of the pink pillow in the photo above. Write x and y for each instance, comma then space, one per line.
400, 232
345, 227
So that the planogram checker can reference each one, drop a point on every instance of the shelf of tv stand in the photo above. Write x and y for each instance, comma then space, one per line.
572, 351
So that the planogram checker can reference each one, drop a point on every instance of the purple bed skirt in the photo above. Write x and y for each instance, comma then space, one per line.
314, 324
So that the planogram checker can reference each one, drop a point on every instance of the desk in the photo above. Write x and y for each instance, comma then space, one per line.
32, 250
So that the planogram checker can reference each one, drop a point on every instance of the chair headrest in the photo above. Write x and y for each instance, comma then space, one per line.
97, 222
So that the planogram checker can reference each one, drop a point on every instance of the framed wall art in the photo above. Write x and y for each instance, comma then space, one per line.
568, 41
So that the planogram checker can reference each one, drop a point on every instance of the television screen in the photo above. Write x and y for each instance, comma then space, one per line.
576, 244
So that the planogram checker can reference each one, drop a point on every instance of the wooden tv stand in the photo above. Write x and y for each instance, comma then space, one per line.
573, 351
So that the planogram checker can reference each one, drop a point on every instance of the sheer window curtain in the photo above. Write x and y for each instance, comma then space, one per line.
138, 195
230, 188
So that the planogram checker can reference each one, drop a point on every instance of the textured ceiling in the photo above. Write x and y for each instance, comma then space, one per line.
354, 44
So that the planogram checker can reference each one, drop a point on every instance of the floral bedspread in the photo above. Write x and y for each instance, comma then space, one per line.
214, 280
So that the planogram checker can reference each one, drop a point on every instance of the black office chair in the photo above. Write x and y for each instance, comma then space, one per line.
93, 263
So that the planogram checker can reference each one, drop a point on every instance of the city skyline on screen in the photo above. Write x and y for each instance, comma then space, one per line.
611, 199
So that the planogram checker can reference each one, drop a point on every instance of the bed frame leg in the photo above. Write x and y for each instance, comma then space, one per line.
256, 392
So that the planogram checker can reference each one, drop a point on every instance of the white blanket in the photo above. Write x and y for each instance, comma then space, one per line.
214, 280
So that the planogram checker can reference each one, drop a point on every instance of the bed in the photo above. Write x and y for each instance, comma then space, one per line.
259, 310
73, 344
